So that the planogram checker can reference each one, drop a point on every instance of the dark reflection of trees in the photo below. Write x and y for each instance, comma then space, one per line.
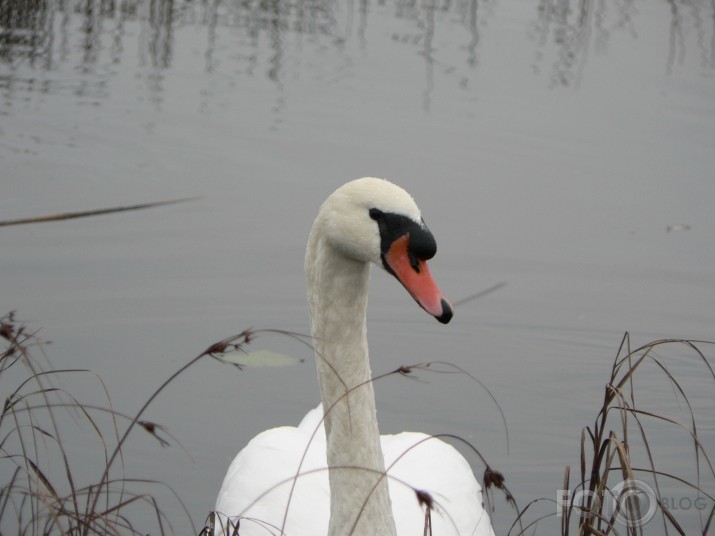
576, 28
26, 30
426, 16
45, 34
156, 41
160, 39
680, 13
573, 30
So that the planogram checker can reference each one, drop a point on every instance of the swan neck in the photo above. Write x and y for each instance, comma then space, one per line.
337, 296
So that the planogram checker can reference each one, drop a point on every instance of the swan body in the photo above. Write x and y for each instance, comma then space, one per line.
279, 484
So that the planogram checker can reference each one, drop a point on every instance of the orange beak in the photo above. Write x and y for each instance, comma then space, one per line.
415, 276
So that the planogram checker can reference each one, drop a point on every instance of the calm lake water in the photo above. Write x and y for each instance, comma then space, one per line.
564, 148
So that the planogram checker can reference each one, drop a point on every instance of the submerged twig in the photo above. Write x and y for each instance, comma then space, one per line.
87, 213
480, 294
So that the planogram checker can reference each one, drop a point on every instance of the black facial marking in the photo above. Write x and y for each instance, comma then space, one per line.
422, 245
376, 214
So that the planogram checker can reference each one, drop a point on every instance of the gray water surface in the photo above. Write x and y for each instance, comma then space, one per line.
564, 148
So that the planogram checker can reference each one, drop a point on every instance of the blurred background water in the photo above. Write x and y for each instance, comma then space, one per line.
565, 148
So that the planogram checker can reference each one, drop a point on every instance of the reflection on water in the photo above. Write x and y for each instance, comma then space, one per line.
575, 29
93, 37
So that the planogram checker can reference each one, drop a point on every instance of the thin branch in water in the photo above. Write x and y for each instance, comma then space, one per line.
480, 294
87, 213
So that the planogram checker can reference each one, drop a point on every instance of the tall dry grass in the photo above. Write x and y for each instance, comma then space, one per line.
616, 489
618, 485
51, 490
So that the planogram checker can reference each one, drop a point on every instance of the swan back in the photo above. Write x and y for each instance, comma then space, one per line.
259, 484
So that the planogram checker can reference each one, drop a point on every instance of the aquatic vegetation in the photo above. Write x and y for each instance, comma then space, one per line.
621, 485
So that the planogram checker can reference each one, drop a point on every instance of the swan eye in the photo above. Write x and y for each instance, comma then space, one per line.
376, 214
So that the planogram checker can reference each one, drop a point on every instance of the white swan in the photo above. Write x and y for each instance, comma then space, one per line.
365, 221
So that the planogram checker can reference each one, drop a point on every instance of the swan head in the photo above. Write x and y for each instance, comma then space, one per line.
374, 220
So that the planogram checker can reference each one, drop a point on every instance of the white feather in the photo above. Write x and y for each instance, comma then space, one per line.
274, 457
